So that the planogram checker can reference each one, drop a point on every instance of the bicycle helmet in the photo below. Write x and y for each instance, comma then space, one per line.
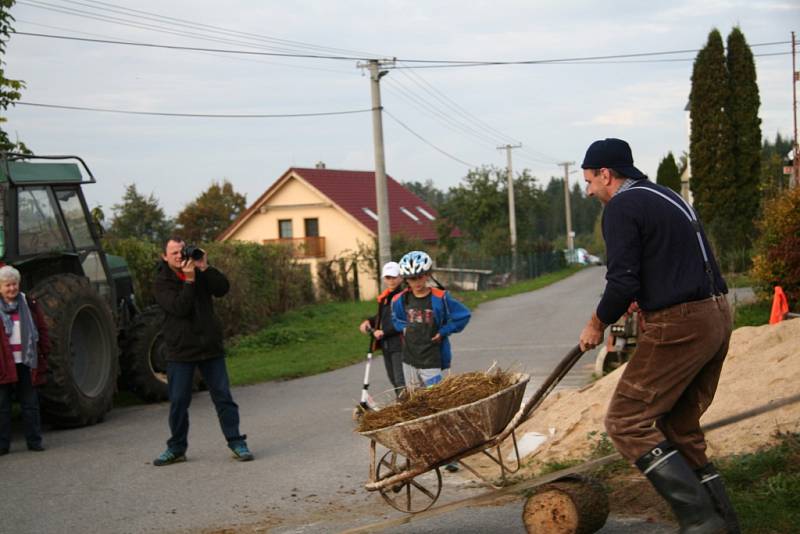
415, 263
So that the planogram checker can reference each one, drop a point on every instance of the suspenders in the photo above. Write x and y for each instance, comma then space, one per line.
689, 213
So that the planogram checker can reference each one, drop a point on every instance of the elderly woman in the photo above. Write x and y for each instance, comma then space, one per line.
24, 346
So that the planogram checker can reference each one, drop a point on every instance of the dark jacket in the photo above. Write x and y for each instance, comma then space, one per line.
654, 256
391, 341
449, 314
8, 369
192, 331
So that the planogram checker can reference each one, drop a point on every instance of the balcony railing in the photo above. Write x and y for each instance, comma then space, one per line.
302, 247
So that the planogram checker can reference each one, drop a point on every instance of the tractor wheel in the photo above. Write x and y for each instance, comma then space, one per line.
144, 356
83, 359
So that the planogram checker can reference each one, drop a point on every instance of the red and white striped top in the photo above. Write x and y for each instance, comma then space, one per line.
15, 340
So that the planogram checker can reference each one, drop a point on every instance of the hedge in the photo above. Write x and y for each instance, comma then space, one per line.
777, 260
265, 280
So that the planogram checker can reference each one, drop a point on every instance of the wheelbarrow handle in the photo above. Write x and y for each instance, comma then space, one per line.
544, 390
551, 381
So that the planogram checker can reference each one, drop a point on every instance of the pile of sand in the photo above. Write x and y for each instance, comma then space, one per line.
763, 365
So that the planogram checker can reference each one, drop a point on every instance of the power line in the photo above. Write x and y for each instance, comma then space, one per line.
180, 31
192, 48
474, 63
196, 115
216, 29
587, 60
418, 136
133, 24
438, 114
235, 58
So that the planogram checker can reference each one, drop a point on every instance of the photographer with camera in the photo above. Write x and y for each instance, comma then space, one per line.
184, 287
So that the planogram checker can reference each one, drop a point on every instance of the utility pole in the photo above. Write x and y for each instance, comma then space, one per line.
512, 213
570, 239
795, 182
381, 194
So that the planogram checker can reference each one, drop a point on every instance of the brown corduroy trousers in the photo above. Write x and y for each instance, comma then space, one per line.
671, 379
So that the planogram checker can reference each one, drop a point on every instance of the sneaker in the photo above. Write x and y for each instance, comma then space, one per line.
168, 458
3, 452
36, 448
241, 452
452, 467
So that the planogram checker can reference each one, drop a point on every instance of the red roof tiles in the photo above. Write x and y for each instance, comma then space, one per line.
355, 190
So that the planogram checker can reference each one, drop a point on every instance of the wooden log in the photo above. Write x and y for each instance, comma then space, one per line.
576, 505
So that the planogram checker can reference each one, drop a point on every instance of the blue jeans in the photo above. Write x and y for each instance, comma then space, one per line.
180, 378
29, 402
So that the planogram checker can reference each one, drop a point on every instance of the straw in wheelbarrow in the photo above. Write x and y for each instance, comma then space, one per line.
453, 391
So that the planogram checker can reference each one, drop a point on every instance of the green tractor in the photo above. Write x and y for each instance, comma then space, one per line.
86, 295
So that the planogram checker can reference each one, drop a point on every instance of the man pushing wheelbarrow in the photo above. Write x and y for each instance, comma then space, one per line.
659, 258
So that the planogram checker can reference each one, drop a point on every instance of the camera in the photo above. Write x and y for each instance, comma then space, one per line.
192, 252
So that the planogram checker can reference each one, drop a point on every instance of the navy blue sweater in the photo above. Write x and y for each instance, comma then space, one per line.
654, 256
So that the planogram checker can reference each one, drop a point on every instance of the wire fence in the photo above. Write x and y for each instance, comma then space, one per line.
474, 273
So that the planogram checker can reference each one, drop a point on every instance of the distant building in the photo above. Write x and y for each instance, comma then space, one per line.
324, 213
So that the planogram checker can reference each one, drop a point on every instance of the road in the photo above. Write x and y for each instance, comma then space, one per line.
310, 466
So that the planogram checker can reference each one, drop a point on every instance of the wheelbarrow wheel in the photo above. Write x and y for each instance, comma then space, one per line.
410, 496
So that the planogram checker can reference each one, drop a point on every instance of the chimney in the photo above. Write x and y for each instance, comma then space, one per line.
320, 165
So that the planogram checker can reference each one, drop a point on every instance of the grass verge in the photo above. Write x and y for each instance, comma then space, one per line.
763, 486
754, 314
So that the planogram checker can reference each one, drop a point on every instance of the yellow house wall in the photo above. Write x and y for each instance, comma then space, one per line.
295, 201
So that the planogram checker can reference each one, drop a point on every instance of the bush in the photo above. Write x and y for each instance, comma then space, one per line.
142, 257
777, 260
265, 280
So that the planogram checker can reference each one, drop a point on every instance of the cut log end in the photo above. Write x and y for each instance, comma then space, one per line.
575, 506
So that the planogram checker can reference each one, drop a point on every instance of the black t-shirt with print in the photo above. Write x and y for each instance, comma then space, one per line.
418, 349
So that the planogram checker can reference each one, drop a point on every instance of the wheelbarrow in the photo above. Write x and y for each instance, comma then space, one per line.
408, 475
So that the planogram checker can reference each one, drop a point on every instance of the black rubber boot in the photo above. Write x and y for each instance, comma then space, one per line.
668, 472
712, 482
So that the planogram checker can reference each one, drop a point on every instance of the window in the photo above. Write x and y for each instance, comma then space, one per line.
426, 213
93, 269
370, 213
74, 216
312, 227
39, 228
411, 215
285, 228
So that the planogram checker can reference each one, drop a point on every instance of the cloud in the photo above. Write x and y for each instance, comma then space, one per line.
651, 103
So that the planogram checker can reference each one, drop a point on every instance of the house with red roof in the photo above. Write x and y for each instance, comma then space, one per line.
325, 214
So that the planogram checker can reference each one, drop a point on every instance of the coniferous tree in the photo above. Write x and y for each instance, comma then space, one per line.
711, 145
742, 109
668, 173
139, 217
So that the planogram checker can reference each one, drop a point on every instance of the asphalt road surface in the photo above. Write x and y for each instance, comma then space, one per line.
310, 467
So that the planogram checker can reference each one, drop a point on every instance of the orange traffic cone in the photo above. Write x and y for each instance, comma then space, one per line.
780, 306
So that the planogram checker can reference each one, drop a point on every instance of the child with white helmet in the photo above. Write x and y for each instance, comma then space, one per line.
382, 329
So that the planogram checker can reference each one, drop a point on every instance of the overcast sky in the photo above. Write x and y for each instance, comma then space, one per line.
554, 110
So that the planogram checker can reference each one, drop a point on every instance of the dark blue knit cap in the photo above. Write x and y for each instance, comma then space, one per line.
614, 154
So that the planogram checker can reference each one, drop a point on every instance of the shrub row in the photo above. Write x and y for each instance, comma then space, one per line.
265, 280
777, 260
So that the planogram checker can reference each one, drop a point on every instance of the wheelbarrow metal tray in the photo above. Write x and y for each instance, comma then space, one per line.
429, 440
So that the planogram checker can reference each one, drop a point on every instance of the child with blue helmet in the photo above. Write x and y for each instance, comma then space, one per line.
426, 316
